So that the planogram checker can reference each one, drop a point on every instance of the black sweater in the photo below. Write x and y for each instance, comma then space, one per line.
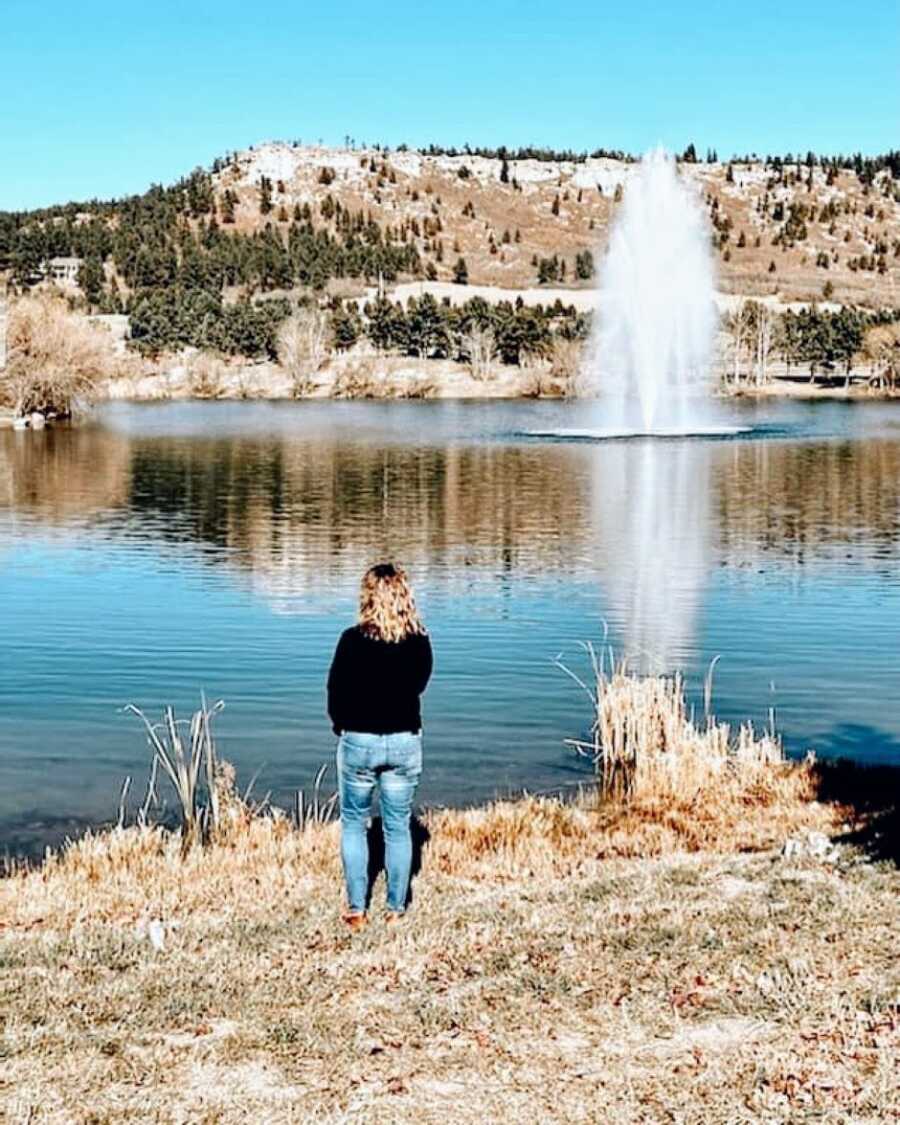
374, 686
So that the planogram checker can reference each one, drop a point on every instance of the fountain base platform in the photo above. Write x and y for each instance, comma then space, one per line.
612, 433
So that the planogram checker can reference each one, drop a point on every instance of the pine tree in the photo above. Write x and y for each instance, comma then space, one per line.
461, 272
265, 195
91, 278
504, 171
345, 328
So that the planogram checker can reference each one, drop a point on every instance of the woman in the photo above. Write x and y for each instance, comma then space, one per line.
380, 668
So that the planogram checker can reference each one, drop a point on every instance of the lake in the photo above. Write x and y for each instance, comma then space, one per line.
158, 551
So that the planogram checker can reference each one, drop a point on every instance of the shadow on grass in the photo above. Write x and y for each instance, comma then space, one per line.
871, 795
375, 834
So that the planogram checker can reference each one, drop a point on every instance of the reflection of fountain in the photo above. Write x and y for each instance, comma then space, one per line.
653, 517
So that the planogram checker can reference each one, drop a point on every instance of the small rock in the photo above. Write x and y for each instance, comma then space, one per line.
38, 421
811, 845
20, 423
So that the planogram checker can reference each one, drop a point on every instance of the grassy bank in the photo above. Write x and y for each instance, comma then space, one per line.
653, 956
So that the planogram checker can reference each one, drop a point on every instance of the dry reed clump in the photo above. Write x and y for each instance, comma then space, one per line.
668, 778
645, 744
55, 357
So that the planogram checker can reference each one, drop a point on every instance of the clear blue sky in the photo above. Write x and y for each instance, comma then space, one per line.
103, 98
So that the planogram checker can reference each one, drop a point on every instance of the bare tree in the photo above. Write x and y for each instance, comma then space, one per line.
881, 349
304, 345
737, 332
751, 332
480, 345
55, 357
762, 324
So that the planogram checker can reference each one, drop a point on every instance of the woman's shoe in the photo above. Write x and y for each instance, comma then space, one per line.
354, 920
393, 916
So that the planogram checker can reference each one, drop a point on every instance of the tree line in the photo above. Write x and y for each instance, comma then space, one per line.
828, 341
428, 328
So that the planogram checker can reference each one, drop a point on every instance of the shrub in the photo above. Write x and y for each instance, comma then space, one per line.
55, 359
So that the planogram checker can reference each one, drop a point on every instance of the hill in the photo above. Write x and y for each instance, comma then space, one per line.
502, 214
515, 222
500, 250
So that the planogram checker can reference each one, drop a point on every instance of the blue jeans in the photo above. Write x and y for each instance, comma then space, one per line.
392, 763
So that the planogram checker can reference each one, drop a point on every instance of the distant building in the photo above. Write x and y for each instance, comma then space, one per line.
64, 271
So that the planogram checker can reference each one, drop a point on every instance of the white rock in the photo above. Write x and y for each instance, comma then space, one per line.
37, 420
20, 423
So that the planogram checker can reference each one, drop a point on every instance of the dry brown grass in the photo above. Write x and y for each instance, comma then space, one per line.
583, 961
55, 358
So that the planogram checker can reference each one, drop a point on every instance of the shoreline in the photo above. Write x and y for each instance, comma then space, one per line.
402, 379
410, 383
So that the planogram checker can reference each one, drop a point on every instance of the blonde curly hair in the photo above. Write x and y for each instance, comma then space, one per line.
387, 609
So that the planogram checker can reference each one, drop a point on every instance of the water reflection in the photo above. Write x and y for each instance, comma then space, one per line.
140, 565
653, 527
64, 474
646, 520
303, 517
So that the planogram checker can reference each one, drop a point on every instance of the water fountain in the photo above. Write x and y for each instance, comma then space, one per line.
648, 375
649, 362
